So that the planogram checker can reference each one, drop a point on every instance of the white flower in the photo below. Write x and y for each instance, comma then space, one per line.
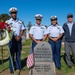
5, 40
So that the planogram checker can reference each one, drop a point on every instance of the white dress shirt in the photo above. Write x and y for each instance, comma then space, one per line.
38, 32
54, 31
16, 26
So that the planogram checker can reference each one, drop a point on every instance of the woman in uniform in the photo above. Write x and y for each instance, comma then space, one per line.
55, 33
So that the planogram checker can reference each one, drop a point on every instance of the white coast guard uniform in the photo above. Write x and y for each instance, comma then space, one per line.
54, 31
14, 45
38, 32
16, 26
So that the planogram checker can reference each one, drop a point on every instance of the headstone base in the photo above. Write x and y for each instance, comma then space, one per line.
43, 68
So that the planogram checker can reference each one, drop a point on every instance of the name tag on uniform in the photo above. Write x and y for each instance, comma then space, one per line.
34, 28
58, 27
42, 28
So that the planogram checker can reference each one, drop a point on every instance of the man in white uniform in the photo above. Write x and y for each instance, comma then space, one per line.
15, 44
38, 32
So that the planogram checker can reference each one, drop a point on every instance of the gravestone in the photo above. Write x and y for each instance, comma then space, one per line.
44, 64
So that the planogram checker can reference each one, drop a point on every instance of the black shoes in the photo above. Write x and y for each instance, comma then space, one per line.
59, 68
70, 67
11, 72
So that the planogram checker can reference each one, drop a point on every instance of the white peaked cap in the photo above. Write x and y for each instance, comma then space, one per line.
13, 9
38, 16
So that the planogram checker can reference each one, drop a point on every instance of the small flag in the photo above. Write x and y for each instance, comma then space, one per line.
30, 59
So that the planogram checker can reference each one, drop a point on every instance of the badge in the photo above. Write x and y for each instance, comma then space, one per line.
42, 28
58, 27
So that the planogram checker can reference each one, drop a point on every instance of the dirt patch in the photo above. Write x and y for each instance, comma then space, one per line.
17, 72
58, 72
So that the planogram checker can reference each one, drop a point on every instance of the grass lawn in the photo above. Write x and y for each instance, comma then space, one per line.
26, 45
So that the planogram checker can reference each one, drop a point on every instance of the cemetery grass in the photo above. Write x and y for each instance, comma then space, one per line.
26, 46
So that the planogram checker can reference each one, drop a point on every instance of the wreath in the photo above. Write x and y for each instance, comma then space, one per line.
5, 30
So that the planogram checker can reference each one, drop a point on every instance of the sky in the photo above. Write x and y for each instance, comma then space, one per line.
27, 9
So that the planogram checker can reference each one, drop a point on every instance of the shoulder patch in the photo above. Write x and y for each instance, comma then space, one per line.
43, 27
20, 22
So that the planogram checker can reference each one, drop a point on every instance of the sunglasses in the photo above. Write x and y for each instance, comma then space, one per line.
13, 12
70, 17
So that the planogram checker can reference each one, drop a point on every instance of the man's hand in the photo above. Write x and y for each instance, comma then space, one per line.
17, 38
38, 42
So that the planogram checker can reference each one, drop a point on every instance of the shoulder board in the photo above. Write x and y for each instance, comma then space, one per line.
20, 22
42, 26
33, 27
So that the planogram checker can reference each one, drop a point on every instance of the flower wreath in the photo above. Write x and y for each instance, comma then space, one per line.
5, 30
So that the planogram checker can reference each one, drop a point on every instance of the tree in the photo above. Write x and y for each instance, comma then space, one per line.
29, 25
4, 17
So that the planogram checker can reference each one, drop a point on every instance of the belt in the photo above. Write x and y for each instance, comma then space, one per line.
53, 37
39, 39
